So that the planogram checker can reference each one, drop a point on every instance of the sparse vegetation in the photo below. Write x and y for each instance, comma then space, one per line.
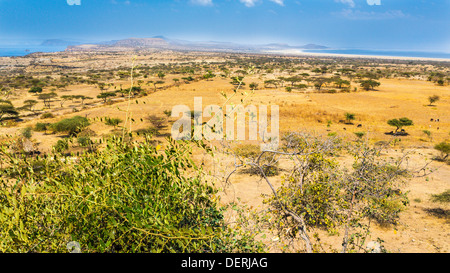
345, 185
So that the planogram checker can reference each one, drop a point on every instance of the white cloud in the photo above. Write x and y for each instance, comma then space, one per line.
363, 15
202, 2
279, 2
374, 2
351, 3
249, 3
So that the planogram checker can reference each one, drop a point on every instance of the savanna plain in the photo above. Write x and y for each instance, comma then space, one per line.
87, 155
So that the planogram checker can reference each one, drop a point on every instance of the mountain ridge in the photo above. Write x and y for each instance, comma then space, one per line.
161, 42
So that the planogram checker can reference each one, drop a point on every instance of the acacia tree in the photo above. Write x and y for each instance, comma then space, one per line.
29, 104
158, 83
7, 109
82, 98
47, 98
340, 82
269, 83
369, 84
433, 99
320, 82
400, 123
293, 80
106, 95
161, 75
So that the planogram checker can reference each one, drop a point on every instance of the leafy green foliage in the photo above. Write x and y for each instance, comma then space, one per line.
84, 141
320, 193
35, 90
400, 123
71, 125
442, 197
369, 84
106, 95
47, 115
7, 109
112, 121
349, 117
433, 99
125, 198
27, 132
61, 145
41, 127
444, 148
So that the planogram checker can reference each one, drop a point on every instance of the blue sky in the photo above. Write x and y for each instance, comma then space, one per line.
392, 25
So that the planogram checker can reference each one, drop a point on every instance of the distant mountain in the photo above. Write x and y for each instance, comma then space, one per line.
313, 46
141, 42
59, 42
161, 42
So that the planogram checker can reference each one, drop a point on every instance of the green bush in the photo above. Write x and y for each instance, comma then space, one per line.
27, 132
40, 127
72, 126
442, 198
47, 115
444, 148
84, 141
125, 198
35, 90
61, 146
112, 121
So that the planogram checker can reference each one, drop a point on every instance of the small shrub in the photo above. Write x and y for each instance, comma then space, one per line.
84, 141
442, 198
444, 148
10, 123
113, 121
41, 127
61, 146
147, 131
359, 134
71, 125
27, 132
157, 122
86, 132
249, 153
47, 115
